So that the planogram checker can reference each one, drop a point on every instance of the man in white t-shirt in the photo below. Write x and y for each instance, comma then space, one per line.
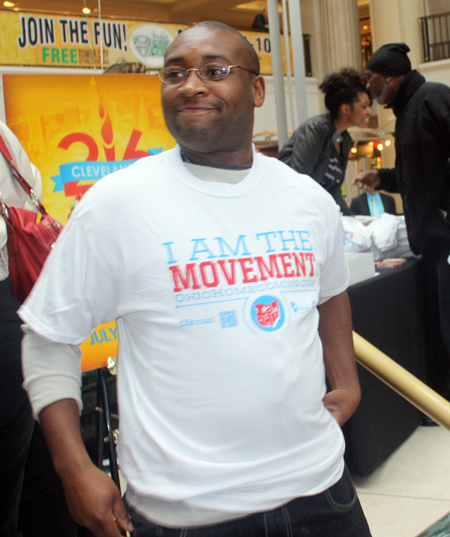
226, 274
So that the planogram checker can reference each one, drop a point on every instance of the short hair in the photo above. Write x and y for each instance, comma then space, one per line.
340, 88
248, 47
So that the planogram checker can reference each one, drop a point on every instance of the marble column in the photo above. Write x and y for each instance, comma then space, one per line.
394, 21
340, 34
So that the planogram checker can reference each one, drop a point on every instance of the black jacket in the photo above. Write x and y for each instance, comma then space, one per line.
360, 205
310, 149
422, 167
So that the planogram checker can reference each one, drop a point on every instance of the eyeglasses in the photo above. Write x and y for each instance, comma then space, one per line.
210, 71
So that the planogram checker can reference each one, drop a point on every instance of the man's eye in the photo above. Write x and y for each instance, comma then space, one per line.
214, 71
174, 75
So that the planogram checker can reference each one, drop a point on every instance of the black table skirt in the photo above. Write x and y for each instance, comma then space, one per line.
389, 312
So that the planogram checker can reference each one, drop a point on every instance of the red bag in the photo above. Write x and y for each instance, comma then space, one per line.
29, 241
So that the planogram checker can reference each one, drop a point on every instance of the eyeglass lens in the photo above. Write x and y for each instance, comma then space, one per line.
210, 71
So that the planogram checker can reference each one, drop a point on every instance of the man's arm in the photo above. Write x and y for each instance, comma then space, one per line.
94, 500
335, 331
52, 374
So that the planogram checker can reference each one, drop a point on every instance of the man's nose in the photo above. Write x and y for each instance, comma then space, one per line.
193, 84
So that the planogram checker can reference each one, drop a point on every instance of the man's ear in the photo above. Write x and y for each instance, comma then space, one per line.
259, 88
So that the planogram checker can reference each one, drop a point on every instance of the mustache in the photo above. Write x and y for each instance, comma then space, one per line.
198, 103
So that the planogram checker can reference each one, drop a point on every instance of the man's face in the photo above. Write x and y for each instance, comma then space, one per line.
379, 87
211, 116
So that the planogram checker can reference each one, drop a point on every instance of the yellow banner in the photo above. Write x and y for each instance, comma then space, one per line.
78, 128
32, 39
102, 344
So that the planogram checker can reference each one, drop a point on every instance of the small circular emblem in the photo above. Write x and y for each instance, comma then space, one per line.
267, 313
149, 44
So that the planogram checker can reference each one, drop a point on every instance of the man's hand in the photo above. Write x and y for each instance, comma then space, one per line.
341, 403
335, 330
94, 502
92, 497
367, 180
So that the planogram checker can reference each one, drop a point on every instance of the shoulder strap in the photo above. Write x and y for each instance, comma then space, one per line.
19, 178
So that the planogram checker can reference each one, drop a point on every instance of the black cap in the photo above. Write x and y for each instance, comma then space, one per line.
390, 60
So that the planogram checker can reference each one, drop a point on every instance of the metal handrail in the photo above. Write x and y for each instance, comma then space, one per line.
436, 37
402, 381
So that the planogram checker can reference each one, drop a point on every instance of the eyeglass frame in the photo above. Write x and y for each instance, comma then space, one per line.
188, 72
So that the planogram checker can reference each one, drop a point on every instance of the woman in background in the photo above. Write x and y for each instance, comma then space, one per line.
320, 146
16, 420
32, 502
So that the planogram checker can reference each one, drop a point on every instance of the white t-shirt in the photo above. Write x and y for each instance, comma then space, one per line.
214, 287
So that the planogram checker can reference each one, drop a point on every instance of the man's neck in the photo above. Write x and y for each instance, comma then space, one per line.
217, 165
220, 159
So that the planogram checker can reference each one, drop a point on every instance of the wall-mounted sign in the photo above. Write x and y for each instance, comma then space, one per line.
31, 39
76, 128
149, 44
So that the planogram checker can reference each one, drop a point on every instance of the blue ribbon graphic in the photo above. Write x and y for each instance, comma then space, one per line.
91, 170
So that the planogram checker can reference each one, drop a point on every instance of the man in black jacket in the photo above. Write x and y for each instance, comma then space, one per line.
373, 203
261, 21
422, 169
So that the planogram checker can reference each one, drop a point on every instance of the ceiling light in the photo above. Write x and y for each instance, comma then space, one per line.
353, 150
8, 4
380, 147
86, 10
387, 143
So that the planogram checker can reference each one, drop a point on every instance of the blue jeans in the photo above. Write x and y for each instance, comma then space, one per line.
333, 513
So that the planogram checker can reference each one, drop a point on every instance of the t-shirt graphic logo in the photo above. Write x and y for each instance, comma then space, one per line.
267, 313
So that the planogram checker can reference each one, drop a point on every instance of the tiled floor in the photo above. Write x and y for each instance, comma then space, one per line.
411, 490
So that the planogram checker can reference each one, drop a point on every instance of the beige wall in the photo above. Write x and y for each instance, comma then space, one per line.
436, 71
398, 20
434, 7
